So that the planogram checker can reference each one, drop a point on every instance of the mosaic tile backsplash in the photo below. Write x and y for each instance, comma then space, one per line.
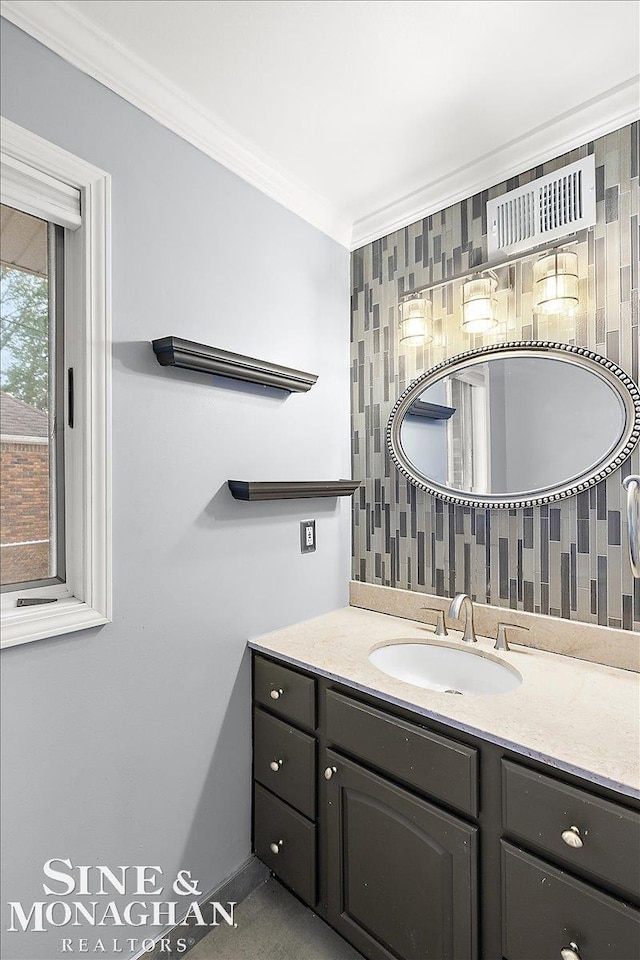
569, 559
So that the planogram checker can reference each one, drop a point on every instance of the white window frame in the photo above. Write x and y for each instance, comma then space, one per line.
44, 180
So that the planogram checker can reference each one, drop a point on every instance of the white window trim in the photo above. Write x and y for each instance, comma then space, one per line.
85, 600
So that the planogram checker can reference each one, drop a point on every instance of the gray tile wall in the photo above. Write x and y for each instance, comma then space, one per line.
567, 560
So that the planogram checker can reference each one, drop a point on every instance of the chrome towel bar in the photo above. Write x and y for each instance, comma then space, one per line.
632, 486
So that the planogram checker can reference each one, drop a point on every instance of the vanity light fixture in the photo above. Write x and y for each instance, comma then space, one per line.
555, 291
479, 304
555, 279
416, 321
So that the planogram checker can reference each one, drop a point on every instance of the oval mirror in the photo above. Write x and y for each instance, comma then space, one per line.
515, 424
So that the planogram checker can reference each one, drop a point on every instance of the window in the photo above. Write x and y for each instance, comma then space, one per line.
31, 401
55, 554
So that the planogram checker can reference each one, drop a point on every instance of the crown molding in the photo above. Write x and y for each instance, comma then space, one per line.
74, 38
592, 119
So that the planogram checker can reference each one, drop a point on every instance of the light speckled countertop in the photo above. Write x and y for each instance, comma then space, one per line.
580, 717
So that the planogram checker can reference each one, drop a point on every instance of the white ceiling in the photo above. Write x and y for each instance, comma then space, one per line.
361, 115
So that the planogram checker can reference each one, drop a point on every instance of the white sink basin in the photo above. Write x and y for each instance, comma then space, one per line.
446, 668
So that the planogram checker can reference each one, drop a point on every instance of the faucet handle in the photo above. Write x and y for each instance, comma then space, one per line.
441, 629
501, 636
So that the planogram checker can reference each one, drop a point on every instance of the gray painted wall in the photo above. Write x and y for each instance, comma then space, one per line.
131, 744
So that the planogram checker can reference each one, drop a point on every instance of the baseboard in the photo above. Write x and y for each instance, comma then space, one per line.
244, 881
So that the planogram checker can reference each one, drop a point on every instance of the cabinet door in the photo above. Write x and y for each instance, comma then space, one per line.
401, 872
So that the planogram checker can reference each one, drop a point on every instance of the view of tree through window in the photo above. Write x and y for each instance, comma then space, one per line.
27, 480
25, 336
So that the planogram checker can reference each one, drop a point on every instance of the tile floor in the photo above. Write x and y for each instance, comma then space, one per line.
273, 925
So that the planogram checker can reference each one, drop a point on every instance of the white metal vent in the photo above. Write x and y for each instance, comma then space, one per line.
548, 208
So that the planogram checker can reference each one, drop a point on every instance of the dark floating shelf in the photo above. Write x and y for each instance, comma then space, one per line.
175, 352
431, 411
289, 490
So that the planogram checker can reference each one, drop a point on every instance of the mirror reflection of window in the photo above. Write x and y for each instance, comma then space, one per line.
469, 464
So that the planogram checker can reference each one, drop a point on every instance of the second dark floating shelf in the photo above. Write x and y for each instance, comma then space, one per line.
176, 352
430, 411
289, 490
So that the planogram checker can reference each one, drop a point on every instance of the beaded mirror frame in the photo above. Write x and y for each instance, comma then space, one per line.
606, 369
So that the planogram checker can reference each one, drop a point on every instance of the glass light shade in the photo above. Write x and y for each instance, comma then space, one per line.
555, 279
479, 305
416, 322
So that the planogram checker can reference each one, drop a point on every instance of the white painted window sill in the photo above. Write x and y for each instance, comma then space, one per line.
25, 624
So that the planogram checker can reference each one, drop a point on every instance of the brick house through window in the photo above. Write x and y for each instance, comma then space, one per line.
24, 492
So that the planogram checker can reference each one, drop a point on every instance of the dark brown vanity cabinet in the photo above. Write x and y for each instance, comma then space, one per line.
416, 841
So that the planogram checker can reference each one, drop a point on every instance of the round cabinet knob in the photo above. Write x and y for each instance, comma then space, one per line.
275, 765
571, 952
275, 848
276, 694
329, 772
573, 839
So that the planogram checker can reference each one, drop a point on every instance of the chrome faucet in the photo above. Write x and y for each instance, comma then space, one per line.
459, 601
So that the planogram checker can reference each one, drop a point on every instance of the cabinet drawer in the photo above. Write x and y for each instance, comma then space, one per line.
284, 760
295, 837
285, 692
545, 909
440, 767
538, 810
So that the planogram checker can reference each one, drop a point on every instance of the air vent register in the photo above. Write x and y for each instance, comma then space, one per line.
549, 208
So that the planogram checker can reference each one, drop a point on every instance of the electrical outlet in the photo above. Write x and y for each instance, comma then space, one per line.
307, 536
